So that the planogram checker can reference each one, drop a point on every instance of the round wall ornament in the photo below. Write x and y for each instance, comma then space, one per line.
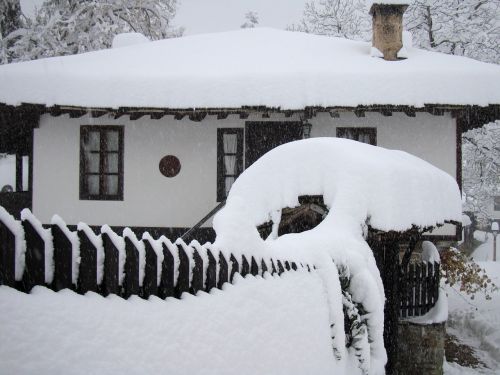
170, 166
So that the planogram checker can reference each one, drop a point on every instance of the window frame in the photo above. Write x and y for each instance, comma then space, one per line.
370, 131
221, 177
84, 194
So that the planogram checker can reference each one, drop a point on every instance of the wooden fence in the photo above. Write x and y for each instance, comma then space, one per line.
107, 263
418, 288
123, 265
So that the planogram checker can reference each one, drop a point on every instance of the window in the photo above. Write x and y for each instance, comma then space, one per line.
496, 203
365, 135
101, 162
14, 173
229, 159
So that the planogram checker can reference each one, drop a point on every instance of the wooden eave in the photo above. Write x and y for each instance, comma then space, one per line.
469, 116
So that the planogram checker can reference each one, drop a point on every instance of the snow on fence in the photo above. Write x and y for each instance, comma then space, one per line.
418, 288
107, 263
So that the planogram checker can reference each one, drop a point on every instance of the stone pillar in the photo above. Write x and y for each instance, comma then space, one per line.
388, 28
420, 348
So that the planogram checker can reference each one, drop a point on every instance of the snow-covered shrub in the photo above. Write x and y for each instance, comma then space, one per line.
361, 185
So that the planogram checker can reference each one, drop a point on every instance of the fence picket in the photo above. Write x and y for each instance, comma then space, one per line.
167, 280
402, 292
34, 271
111, 268
418, 284
211, 279
437, 275
245, 267
254, 267
273, 267
223, 271
63, 259
7, 256
425, 285
263, 267
87, 274
182, 284
234, 267
418, 280
150, 282
280, 268
197, 273
411, 294
131, 269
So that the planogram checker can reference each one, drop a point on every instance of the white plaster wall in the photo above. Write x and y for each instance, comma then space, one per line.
150, 199
432, 138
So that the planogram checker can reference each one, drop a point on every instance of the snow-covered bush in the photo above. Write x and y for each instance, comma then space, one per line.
360, 184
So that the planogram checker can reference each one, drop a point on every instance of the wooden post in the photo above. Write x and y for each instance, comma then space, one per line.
494, 247
7, 256
34, 272
63, 259
87, 274
110, 277
131, 270
388, 245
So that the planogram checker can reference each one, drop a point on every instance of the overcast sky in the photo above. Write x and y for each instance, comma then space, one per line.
203, 16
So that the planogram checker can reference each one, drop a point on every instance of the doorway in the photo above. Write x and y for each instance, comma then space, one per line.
261, 137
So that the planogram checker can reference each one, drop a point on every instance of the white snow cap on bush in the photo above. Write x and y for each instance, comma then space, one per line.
430, 253
466, 221
128, 39
361, 184
391, 190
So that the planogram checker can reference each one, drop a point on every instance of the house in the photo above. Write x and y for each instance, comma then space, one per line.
152, 135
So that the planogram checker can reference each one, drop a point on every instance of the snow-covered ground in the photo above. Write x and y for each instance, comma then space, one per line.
477, 322
277, 325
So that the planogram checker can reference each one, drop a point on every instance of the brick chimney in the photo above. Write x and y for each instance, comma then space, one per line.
388, 27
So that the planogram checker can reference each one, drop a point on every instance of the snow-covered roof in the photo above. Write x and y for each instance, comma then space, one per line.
252, 67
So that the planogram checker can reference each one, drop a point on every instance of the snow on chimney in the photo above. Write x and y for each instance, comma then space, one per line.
388, 27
